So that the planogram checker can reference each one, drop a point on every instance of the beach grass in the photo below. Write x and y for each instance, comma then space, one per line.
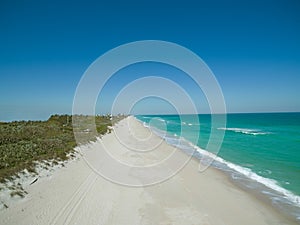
24, 143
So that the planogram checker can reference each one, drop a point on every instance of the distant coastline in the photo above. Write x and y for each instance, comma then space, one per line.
4, 118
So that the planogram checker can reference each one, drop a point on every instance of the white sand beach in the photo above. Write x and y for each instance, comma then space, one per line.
77, 194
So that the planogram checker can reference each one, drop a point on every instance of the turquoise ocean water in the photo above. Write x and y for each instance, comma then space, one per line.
260, 152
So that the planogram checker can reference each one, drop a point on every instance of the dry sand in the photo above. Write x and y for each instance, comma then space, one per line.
76, 194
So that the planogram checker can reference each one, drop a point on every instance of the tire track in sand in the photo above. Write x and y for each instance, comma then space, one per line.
66, 214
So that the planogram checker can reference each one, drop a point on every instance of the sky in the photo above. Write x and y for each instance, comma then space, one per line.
252, 48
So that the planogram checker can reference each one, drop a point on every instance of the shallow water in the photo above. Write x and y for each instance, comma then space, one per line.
259, 151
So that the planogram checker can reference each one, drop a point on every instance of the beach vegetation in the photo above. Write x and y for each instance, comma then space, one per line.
25, 143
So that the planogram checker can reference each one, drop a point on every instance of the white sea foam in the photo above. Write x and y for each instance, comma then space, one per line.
145, 124
156, 118
244, 131
253, 176
270, 183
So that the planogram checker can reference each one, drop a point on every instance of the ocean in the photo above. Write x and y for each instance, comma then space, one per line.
260, 152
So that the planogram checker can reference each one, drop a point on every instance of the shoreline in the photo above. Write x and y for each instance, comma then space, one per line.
266, 189
253, 194
75, 193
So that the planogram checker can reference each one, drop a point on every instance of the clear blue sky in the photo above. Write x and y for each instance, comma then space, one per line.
252, 47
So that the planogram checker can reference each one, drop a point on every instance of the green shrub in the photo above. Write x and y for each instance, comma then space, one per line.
23, 142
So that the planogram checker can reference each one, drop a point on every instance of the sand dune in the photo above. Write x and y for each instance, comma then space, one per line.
78, 194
